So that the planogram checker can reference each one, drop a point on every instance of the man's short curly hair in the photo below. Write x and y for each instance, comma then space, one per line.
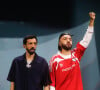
29, 37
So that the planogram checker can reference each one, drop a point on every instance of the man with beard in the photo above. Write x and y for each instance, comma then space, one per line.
64, 66
29, 71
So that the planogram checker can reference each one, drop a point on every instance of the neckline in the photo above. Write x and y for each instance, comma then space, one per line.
64, 56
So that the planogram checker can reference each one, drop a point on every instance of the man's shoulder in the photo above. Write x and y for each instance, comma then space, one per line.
54, 57
41, 59
21, 57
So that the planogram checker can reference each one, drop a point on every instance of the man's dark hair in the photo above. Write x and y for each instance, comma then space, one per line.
29, 37
59, 47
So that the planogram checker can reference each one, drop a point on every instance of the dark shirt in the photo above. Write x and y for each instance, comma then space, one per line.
33, 78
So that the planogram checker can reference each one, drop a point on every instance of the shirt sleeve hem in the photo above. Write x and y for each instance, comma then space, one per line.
52, 87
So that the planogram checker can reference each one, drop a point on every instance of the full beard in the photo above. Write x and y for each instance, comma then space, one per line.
31, 52
67, 48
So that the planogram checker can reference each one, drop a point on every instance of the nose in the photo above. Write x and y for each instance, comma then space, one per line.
68, 40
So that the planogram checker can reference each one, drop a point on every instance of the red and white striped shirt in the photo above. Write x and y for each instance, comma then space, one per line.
65, 69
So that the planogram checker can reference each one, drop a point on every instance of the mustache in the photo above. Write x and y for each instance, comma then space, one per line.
68, 43
32, 48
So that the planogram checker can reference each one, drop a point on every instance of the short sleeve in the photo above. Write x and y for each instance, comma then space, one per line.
11, 74
46, 76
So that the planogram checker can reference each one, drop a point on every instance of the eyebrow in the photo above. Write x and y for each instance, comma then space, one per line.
67, 37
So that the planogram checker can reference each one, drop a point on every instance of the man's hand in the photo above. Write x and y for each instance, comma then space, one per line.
92, 15
92, 18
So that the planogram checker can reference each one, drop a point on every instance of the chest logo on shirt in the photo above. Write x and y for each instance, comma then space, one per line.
68, 68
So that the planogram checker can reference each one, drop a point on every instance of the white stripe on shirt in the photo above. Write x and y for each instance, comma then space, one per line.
87, 37
52, 88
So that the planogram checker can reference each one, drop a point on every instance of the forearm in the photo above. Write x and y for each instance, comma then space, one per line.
91, 24
47, 87
12, 86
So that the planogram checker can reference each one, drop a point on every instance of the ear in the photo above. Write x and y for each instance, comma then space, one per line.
24, 46
59, 43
